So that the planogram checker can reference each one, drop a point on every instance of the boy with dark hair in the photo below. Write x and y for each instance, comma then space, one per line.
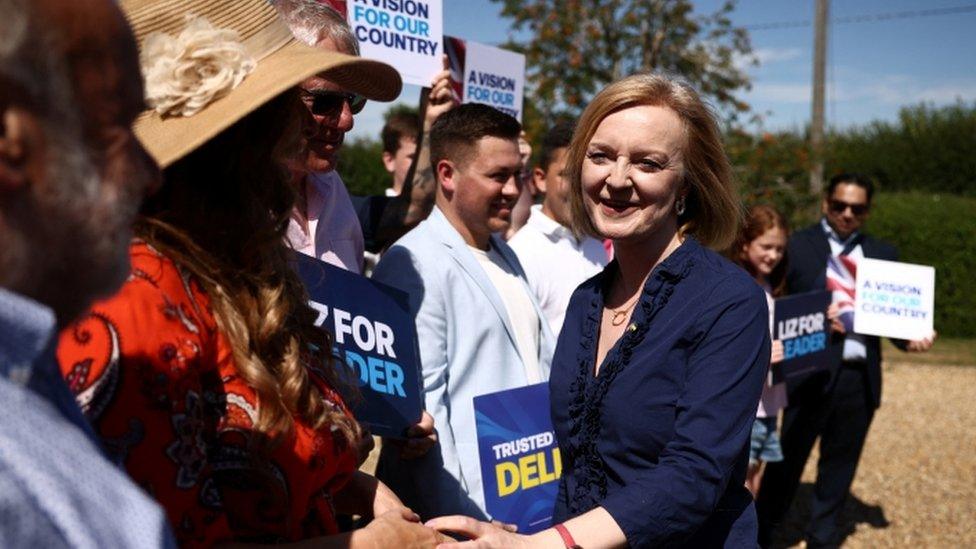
479, 328
399, 138
547, 239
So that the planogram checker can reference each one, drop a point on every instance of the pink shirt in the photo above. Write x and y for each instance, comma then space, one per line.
773, 397
334, 234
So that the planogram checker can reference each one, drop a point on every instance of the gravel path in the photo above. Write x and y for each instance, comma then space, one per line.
916, 483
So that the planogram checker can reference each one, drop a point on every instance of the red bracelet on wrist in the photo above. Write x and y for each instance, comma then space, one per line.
567, 537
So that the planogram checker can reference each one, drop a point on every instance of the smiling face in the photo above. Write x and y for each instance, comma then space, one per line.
632, 174
482, 188
327, 131
765, 252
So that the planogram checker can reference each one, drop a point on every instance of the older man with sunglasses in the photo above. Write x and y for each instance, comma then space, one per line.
838, 403
325, 224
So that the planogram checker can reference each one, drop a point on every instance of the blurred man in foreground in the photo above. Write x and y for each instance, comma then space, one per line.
72, 176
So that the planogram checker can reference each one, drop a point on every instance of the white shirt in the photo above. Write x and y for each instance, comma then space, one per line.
555, 262
855, 346
334, 234
518, 303
773, 397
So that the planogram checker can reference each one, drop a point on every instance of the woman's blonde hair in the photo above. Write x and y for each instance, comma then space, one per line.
222, 215
712, 207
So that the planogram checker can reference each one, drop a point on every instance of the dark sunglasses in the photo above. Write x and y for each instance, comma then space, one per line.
329, 103
838, 206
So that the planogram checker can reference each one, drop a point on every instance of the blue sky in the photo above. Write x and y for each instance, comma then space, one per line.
873, 67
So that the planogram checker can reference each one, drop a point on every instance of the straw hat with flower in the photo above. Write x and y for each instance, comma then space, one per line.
208, 63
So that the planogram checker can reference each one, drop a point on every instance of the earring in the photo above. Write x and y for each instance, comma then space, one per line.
679, 206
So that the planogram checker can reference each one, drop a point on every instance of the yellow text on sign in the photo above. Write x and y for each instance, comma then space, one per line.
528, 471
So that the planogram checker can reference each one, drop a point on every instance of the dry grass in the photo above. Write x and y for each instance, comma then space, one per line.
916, 483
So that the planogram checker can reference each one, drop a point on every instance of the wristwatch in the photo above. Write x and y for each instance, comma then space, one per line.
567, 537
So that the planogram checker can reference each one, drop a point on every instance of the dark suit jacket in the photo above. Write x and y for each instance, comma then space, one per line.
808, 250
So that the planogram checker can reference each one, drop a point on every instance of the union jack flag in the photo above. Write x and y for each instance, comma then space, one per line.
841, 273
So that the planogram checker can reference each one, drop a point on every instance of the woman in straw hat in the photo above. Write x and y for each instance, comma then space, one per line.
204, 375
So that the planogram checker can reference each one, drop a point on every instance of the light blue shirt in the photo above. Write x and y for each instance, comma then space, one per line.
855, 348
56, 487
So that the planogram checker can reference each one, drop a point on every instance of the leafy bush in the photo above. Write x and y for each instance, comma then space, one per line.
361, 162
927, 149
937, 230
361, 166
773, 169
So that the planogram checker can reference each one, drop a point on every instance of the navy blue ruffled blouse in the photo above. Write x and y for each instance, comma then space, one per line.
659, 438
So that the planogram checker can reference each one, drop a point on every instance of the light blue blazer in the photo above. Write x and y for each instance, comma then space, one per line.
467, 348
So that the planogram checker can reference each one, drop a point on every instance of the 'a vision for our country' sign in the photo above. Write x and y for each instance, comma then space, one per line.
407, 34
894, 299
800, 323
494, 77
520, 461
375, 337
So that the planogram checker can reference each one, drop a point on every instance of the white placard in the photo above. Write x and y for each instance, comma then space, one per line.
894, 299
494, 77
407, 34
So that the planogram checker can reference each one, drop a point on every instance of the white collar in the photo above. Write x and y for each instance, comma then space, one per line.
547, 225
832, 234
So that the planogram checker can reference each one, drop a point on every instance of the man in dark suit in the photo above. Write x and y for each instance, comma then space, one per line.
837, 403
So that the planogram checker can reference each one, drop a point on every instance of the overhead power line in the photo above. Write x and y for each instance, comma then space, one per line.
866, 18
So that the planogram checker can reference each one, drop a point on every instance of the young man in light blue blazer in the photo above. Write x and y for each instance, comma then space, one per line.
479, 328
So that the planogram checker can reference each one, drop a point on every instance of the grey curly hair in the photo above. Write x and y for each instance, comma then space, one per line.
312, 21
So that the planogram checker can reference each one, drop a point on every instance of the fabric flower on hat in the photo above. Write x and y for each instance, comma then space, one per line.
186, 73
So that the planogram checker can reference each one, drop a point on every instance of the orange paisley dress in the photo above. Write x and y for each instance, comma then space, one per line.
158, 381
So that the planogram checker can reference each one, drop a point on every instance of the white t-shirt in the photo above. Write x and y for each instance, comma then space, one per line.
555, 263
518, 303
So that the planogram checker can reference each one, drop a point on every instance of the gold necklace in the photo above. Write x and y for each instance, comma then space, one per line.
620, 315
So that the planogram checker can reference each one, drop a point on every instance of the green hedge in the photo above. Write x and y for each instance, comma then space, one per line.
937, 230
361, 166
928, 149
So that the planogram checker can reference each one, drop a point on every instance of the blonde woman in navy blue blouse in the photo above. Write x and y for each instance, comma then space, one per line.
662, 356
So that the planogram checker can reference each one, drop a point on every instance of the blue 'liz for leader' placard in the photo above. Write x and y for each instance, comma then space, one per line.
520, 462
375, 337
800, 322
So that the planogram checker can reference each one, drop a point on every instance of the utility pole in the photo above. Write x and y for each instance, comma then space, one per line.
817, 120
